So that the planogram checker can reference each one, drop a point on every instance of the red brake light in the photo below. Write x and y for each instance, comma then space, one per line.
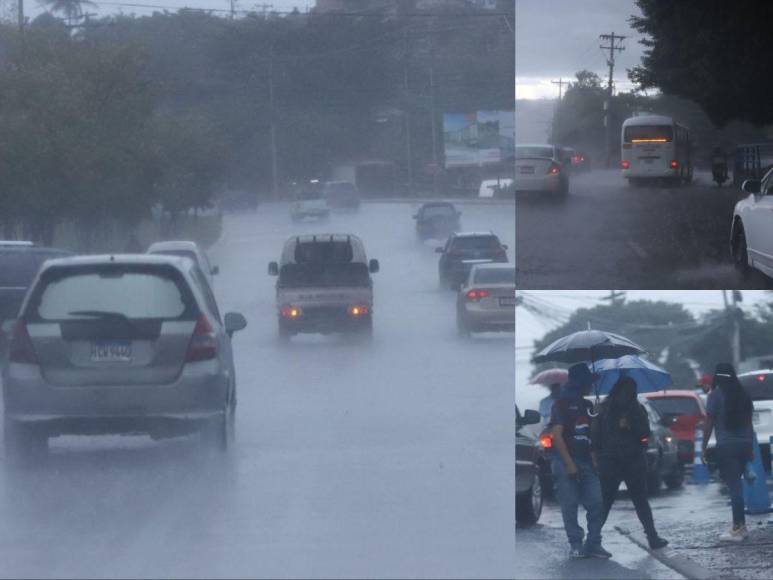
291, 312
357, 311
475, 295
761, 378
645, 440
21, 349
203, 345
554, 170
674, 164
546, 441
626, 165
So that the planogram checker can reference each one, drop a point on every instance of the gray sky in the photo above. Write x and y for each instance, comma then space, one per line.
557, 38
530, 327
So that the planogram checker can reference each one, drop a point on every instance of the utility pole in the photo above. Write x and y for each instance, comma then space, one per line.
274, 171
436, 167
734, 313
560, 82
612, 39
21, 15
615, 297
407, 116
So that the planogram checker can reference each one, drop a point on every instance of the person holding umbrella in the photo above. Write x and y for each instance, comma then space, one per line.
572, 464
729, 409
618, 437
554, 379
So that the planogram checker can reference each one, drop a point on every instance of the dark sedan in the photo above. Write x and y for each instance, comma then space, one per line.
464, 250
437, 220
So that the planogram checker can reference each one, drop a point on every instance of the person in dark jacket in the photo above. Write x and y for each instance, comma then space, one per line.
729, 411
619, 436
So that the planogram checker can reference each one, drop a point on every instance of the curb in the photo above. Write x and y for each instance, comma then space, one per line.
457, 201
668, 557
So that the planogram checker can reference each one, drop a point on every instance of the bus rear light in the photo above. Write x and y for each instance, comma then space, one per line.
626, 165
291, 312
357, 311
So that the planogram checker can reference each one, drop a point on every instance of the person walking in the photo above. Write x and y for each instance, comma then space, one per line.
618, 438
572, 465
729, 411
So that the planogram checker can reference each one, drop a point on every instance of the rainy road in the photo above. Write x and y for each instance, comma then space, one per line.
609, 235
392, 459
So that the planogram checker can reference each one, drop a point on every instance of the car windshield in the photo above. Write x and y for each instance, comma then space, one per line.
475, 243
758, 385
324, 274
495, 276
130, 294
532, 152
433, 211
675, 406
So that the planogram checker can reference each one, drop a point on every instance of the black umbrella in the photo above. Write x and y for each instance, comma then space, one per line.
588, 345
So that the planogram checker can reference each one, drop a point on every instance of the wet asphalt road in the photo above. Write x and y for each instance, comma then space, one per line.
691, 518
606, 234
392, 459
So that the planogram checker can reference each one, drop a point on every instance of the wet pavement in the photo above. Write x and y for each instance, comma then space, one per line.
607, 234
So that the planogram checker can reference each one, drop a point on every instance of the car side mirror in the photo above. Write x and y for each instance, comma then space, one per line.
373, 266
234, 322
273, 269
215, 270
438, 250
530, 417
752, 186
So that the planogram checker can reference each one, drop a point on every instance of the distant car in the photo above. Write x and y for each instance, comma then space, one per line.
528, 490
684, 411
19, 263
187, 250
539, 168
486, 300
759, 386
341, 195
119, 344
437, 220
494, 188
309, 203
464, 250
751, 234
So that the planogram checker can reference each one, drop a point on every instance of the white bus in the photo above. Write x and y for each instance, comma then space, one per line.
655, 147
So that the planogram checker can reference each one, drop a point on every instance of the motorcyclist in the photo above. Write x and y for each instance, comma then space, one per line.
719, 165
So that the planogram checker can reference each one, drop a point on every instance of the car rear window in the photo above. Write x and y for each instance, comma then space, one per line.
675, 406
529, 152
476, 243
495, 276
334, 252
438, 211
134, 294
758, 385
18, 268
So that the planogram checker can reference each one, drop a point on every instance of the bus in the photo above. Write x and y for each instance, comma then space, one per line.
655, 148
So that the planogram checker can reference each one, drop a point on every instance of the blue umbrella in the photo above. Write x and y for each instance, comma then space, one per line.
649, 377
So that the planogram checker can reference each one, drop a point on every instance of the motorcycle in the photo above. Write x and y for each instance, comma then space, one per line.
719, 174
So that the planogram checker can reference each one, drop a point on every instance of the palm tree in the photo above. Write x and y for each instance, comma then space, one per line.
72, 9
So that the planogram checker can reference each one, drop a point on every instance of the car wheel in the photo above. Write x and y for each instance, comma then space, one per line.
528, 506
740, 251
218, 433
675, 479
23, 444
655, 479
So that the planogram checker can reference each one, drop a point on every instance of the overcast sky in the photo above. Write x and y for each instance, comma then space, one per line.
558, 38
530, 327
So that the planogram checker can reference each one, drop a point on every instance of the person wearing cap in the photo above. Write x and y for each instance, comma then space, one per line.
573, 465
729, 411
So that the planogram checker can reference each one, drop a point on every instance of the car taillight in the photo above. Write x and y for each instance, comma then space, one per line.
554, 169
645, 440
500, 253
626, 165
475, 295
21, 349
546, 441
357, 311
674, 164
291, 312
203, 345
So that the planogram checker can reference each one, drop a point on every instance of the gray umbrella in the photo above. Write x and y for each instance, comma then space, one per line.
588, 345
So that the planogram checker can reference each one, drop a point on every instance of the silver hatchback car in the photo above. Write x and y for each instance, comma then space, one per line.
486, 301
119, 344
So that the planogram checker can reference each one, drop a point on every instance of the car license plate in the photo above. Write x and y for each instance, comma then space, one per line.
507, 301
111, 351
526, 170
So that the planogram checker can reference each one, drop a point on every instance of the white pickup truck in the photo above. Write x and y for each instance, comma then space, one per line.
324, 286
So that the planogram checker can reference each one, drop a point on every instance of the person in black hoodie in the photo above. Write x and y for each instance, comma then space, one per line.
619, 436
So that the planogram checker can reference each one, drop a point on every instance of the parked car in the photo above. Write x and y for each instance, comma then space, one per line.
437, 220
759, 386
324, 286
539, 168
187, 250
19, 263
486, 300
341, 195
119, 344
751, 234
528, 491
683, 411
464, 250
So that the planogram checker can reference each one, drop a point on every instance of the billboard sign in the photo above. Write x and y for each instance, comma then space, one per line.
479, 138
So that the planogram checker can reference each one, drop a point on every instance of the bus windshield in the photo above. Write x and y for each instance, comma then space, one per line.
648, 134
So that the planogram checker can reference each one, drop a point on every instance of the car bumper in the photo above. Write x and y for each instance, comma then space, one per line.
546, 183
491, 317
325, 320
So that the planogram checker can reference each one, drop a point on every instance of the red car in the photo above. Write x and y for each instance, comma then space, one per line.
682, 411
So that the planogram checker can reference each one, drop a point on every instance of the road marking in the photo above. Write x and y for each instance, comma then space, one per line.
638, 250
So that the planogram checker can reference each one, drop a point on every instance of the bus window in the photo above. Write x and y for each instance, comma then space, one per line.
648, 134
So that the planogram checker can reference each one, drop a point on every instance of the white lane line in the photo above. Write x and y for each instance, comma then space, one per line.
669, 558
638, 250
